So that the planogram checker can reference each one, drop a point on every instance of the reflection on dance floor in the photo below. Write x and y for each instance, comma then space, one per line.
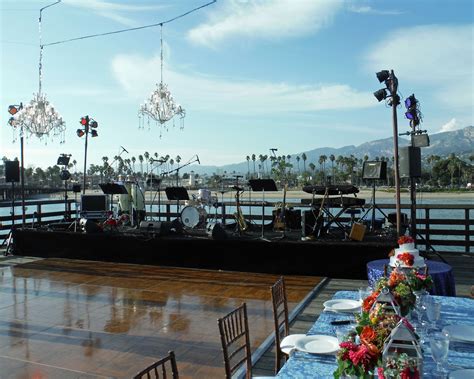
64, 318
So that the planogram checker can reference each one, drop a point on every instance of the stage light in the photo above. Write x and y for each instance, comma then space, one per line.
80, 132
84, 121
63, 159
382, 76
94, 124
94, 133
65, 175
413, 113
381, 94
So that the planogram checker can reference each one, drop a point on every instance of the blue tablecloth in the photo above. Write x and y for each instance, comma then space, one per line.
442, 274
454, 310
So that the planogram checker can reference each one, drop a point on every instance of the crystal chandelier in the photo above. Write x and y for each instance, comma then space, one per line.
39, 117
160, 106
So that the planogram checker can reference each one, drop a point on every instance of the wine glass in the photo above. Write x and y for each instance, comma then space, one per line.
439, 344
433, 312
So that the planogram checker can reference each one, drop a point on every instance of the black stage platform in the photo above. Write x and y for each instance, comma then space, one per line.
292, 256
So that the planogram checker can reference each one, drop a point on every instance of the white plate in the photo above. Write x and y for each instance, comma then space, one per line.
462, 374
318, 344
342, 305
463, 333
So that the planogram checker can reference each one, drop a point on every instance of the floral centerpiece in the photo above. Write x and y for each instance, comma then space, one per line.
398, 285
401, 366
362, 352
418, 281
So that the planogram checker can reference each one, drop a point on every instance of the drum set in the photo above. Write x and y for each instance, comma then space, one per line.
194, 214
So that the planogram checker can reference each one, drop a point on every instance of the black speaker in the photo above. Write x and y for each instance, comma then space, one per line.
374, 170
410, 162
12, 171
216, 231
162, 228
76, 188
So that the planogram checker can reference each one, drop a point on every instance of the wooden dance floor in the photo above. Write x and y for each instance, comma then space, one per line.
63, 318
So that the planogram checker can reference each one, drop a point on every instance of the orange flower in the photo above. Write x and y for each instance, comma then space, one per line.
369, 301
395, 278
368, 334
407, 258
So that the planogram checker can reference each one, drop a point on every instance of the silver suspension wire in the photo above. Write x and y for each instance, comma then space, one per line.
131, 29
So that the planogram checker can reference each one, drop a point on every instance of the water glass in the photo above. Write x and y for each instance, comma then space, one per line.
433, 311
439, 344
364, 292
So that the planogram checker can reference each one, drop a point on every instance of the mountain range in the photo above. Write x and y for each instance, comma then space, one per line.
459, 142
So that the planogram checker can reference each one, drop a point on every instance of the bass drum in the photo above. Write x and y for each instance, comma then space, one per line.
192, 216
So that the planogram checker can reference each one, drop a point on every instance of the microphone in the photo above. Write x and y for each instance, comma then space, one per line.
198, 161
124, 149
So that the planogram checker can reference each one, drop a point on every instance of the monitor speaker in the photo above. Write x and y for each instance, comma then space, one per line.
410, 162
374, 170
162, 228
12, 171
216, 231
421, 140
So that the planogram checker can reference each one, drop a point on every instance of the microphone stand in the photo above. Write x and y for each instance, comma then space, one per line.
177, 175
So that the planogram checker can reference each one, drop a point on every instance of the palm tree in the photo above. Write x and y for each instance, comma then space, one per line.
133, 164
74, 162
332, 158
248, 165
147, 157
140, 159
253, 159
304, 157
298, 162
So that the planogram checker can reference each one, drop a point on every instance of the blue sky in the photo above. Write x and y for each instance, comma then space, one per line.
252, 75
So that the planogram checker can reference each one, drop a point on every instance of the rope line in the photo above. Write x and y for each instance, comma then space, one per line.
130, 29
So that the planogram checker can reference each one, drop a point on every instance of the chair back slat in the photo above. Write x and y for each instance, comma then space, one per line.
235, 340
280, 318
165, 365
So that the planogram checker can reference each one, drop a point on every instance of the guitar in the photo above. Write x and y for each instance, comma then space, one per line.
319, 222
279, 223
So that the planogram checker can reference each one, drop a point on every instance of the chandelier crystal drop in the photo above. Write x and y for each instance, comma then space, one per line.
160, 107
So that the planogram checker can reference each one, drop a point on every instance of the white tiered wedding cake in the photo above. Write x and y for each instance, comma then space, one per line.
407, 255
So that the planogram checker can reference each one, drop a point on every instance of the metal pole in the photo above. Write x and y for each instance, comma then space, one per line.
85, 160
22, 173
393, 91
413, 194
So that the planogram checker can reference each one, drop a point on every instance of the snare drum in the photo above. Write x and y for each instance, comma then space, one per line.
193, 216
204, 196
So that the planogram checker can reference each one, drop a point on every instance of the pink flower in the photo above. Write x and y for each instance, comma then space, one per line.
348, 345
359, 356
380, 373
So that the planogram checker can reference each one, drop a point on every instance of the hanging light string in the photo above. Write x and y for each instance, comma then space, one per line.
130, 29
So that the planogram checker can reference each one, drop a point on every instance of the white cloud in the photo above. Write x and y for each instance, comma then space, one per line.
110, 10
438, 57
267, 19
370, 10
450, 126
202, 92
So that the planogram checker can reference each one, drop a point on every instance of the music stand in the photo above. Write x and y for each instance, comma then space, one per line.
263, 185
176, 193
113, 189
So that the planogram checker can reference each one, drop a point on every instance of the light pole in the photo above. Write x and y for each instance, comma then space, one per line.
88, 126
391, 83
13, 110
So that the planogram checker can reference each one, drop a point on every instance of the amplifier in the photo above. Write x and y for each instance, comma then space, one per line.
292, 218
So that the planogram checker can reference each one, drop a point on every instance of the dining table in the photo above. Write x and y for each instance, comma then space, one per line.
440, 272
454, 311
